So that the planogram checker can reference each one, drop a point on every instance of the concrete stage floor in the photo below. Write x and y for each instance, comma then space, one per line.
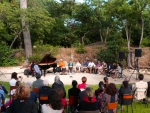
92, 79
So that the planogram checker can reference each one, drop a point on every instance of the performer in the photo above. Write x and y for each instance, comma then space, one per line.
62, 67
98, 65
78, 67
91, 66
70, 66
85, 66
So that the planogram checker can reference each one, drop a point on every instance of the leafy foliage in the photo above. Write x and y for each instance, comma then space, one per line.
39, 51
146, 42
80, 49
5, 60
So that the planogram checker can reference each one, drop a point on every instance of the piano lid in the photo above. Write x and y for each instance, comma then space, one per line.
48, 59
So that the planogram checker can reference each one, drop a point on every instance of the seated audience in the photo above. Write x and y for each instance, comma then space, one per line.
14, 79
39, 82
2, 97
3, 88
125, 89
33, 95
100, 89
89, 103
44, 90
58, 84
82, 86
140, 88
63, 100
74, 91
111, 96
22, 104
54, 103
105, 82
82, 94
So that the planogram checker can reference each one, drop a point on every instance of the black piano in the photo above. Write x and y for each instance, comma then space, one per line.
47, 62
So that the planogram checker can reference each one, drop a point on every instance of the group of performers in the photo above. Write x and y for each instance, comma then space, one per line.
89, 66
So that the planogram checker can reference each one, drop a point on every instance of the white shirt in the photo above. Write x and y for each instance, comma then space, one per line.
12, 82
91, 64
48, 109
78, 64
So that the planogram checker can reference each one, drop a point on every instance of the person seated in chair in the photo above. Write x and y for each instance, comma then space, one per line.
62, 66
140, 88
97, 67
85, 66
78, 67
70, 66
91, 66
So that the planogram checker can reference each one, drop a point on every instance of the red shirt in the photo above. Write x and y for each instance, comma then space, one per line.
64, 103
81, 86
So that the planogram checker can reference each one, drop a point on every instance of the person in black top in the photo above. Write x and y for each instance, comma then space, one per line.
22, 104
74, 91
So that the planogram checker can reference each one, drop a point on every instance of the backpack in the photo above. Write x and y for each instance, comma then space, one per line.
101, 102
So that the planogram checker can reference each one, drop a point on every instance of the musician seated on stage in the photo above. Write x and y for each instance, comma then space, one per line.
91, 66
30, 69
97, 67
62, 66
85, 66
70, 66
78, 67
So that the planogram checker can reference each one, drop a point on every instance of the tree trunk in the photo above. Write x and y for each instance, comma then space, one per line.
100, 33
26, 32
128, 45
84, 37
106, 34
142, 30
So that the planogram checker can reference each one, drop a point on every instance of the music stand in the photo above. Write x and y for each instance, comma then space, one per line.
135, 69
1, 73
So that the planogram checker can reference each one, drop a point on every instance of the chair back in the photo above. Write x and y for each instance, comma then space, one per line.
140, 93
43, 97
12, 87
112, 106
36, 90
127, 99
97, 111
73, 100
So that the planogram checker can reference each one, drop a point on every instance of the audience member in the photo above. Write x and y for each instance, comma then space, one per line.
63, 100
89, 103
111, 96
22, 104
14, 79
82, 94
58, 84
82, 86
142, 88
74, 91
100, 89
33, 95
2, 97
124, 90
44, 90
106, 82
54, 103
39, 82
3, 88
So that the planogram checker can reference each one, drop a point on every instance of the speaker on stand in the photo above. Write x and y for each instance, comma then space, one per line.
138, 53
0, 58
121, 58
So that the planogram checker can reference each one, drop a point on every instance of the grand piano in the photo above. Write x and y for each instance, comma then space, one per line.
47, 62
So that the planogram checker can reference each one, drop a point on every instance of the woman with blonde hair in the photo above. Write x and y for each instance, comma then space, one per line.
22, 104
89, 102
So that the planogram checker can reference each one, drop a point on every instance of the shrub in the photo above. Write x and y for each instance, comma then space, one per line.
145, 42
80, 49
5, 60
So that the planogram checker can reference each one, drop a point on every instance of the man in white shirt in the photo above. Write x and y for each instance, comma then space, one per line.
91, 66
78, 67
140, 88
